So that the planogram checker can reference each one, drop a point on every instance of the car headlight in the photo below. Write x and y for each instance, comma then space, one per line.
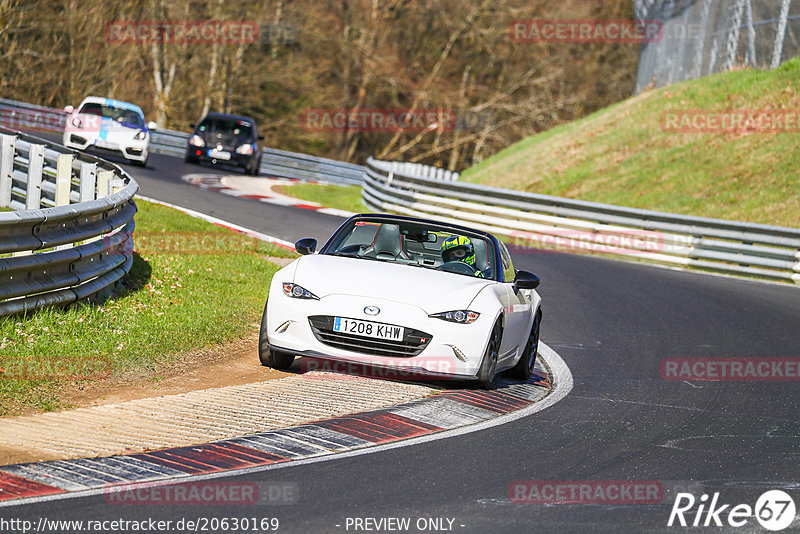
247, 150
77, 122
298, 292
457, 316
141, 135
196, 140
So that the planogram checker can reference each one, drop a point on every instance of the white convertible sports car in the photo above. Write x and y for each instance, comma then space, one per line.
109, 126
435, 300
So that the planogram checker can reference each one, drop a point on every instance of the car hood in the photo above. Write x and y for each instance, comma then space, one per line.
433, 291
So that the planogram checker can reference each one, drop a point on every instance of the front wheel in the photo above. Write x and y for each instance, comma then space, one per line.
271, 357
489, 363
524, 368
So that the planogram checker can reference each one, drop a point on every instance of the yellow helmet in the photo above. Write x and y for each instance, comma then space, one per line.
455, 243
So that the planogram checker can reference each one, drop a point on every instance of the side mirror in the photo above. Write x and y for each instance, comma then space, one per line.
306, 245
192, 125
526, 280
260, 137
69, 109
152, 126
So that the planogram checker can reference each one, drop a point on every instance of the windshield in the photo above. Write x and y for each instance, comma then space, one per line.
416, 244
241, 129
126, 117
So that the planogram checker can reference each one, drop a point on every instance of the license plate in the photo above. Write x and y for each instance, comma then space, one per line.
106, 144
218, 154
368, 329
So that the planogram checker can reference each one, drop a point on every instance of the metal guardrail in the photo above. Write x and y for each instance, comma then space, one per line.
545, 222
274, 162
69, 236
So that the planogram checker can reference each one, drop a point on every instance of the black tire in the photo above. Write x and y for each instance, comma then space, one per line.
489, 363
524, 368
253, 170
189, 159
270, 357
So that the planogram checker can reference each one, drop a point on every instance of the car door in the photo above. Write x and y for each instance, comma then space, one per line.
517, 309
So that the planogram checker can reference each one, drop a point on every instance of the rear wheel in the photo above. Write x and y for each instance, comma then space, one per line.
271, 357
489, 363
524, 368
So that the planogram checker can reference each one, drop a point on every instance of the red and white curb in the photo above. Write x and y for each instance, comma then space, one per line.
261, 192
448, 413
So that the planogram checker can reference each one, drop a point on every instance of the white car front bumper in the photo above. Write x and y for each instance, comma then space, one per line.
452, 350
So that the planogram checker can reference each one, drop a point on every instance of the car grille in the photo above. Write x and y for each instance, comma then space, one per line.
414, 341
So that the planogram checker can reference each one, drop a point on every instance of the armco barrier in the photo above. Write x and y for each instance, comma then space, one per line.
69, 235
274, 162
541, 221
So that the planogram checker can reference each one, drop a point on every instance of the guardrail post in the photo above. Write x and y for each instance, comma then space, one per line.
63, 179
104, 183
7, 145
88, 181
33, 198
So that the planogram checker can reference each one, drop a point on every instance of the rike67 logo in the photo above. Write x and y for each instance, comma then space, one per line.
774, 510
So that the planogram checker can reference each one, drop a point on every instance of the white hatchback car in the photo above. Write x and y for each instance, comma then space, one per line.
104, 125
435, 300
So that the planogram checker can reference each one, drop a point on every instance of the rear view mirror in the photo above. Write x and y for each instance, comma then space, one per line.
526, 280
69, 109
306, 245
152, 126
192, 125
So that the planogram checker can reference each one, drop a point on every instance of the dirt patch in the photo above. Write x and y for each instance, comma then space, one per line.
230, 364
227, 364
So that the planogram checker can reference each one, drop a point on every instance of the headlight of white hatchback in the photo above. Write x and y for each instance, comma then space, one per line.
457, 316
298, 292
141, 135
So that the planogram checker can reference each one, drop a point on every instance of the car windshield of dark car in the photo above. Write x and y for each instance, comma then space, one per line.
126, 117
241, 129
415, 244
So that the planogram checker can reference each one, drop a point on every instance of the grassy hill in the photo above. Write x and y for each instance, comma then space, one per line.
624, 155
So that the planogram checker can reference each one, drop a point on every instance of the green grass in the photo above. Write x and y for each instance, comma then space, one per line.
193, 284
622, 155
343, 197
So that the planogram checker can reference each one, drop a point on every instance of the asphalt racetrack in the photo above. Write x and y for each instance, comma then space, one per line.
623, 423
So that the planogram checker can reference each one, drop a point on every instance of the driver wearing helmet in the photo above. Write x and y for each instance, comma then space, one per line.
460, 248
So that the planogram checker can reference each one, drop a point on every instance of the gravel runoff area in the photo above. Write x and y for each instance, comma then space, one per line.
199, 416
